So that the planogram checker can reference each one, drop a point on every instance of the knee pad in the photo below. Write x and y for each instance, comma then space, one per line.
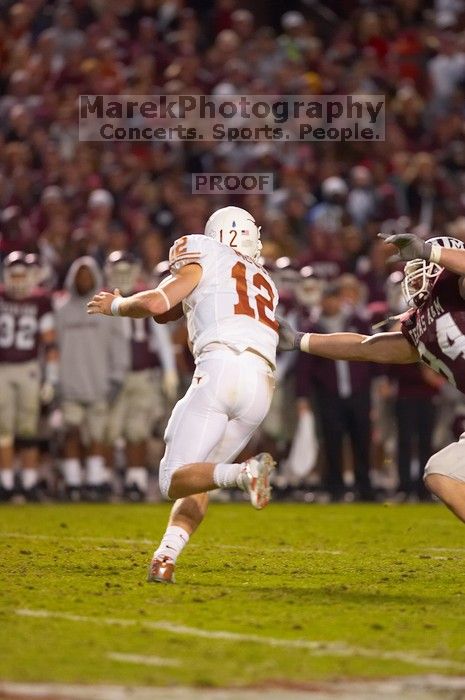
165, 475
164, 482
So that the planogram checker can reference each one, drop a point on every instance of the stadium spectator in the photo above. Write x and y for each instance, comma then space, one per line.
414, 388
341, 394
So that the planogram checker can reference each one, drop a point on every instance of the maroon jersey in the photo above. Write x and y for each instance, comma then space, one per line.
437, 329
22, 321
411, 383
142, 354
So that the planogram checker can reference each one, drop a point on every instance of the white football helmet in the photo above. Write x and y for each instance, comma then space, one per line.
419, 275
236, 228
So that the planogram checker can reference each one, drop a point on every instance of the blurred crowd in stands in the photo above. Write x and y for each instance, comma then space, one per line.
63, 199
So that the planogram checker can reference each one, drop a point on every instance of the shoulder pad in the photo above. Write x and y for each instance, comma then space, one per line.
189, 249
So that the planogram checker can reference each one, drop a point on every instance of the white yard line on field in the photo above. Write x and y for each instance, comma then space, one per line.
408, 688
443, 549
142, 660
123, 541
72, 538
317, 648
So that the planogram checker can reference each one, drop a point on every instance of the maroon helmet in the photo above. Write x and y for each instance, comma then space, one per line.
309, 288
284, 274
19, 274
122, 271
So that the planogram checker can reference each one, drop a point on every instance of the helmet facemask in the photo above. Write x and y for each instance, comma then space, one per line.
309, 288
123, 275
122, 272
19, 275
420, 275
19, 281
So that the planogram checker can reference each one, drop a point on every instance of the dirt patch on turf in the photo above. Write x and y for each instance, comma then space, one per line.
429, 687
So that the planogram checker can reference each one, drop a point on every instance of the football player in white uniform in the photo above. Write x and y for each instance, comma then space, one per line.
229, 301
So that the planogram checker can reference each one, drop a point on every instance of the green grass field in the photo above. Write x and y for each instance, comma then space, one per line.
294, 593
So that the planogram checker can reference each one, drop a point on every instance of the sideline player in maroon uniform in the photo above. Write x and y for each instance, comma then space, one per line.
149, 386
27, 335
433, 331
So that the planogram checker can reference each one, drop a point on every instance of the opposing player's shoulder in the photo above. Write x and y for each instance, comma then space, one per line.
192, 248
408, 321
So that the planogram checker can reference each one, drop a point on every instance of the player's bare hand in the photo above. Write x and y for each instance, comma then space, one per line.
409, 246
101, 303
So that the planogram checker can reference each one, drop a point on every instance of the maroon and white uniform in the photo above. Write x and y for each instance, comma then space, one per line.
437, 329
22, 324
142, 353
141, 401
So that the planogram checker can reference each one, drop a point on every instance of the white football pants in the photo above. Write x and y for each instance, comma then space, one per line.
229, 397
450, 461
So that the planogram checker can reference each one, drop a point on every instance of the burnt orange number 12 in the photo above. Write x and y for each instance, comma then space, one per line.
243, 305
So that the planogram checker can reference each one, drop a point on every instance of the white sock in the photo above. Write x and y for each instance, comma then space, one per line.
96, 474
71, 470
173, 542
7, 479
138, 476
29, 478
225, 475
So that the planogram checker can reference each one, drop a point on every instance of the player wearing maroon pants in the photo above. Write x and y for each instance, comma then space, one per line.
432, 331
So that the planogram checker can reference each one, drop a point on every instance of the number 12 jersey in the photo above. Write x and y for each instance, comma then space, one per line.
235, 301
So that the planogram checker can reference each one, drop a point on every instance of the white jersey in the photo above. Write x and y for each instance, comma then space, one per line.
234, 302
